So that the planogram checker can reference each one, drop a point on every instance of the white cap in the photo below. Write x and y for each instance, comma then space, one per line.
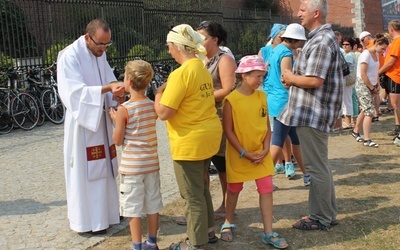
295, 31
364, 34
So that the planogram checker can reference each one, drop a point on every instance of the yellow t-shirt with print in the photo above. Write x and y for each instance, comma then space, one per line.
195, 130
250, 116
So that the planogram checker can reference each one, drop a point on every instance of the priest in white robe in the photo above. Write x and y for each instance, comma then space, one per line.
88, 88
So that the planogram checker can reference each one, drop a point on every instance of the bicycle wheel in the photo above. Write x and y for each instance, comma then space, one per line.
6, 121
52, 106
25, 111
42, 118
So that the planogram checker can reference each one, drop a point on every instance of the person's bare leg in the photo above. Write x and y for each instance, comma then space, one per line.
359, 122
152, 223
230, 206
135, 225
287, 150
377, 102
222, 180
266, 207
367, 127
395, 101
347, 121
276, 153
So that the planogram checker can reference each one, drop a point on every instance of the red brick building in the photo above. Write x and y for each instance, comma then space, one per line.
357, 14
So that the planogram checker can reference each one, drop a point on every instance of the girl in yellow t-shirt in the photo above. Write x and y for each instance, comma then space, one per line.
247, 129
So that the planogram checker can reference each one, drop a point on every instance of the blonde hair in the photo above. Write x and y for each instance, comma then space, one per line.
395, 24
388, 36
139, 73
185, 49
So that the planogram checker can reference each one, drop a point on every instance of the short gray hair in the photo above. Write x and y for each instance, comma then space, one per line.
321, 5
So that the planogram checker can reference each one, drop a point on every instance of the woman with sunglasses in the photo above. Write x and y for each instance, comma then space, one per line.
350, 108
222, 67
187, 104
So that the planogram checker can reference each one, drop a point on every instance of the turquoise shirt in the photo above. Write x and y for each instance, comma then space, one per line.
276, 92
265, 54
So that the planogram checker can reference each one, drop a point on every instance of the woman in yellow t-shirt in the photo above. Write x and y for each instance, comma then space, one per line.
246, 127
187, 104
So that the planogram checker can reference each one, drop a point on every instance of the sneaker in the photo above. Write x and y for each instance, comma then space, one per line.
307, 179
290, 173
148, 246
397, 141
279, 168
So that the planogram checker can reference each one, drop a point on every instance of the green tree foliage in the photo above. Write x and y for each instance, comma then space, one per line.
112, 51
52, 53
164, 55
16, 34
252, 39
5, 61
142, 51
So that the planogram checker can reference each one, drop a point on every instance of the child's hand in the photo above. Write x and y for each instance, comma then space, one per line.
260, 156
113, 114
254, 157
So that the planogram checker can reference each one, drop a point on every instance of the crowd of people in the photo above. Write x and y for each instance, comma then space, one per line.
247, 119
371, 84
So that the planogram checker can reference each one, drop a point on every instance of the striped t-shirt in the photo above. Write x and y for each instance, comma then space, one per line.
139, 150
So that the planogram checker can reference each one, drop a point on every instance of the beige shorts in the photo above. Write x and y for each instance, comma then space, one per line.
140, 194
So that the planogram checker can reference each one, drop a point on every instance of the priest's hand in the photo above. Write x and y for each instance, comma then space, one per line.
118, 91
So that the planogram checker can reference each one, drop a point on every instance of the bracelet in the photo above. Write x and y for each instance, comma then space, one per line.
242, 153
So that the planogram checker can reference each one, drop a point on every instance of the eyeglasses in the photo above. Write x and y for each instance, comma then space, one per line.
203, 25
346, 44
100, 44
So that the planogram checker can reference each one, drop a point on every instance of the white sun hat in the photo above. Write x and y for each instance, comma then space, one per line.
295, 31
364, 34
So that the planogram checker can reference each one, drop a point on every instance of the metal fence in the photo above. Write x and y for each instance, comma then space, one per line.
34, 31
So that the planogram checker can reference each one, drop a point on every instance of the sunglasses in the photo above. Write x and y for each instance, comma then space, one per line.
100, 44
346, 44
171, 29
203, 25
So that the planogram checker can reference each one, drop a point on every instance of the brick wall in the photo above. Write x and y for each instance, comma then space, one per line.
349, 13
373, 16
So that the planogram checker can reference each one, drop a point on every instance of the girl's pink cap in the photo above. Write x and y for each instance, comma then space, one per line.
250, 63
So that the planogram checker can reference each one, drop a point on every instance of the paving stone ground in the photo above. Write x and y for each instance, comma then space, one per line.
33, 206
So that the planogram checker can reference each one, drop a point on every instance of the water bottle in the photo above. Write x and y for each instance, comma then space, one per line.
9, 83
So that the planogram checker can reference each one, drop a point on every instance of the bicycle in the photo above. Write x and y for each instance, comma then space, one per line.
50, 100
161, 73
36, 88
6, 121
20, 106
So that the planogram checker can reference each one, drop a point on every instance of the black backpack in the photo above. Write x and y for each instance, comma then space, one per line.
345, 66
